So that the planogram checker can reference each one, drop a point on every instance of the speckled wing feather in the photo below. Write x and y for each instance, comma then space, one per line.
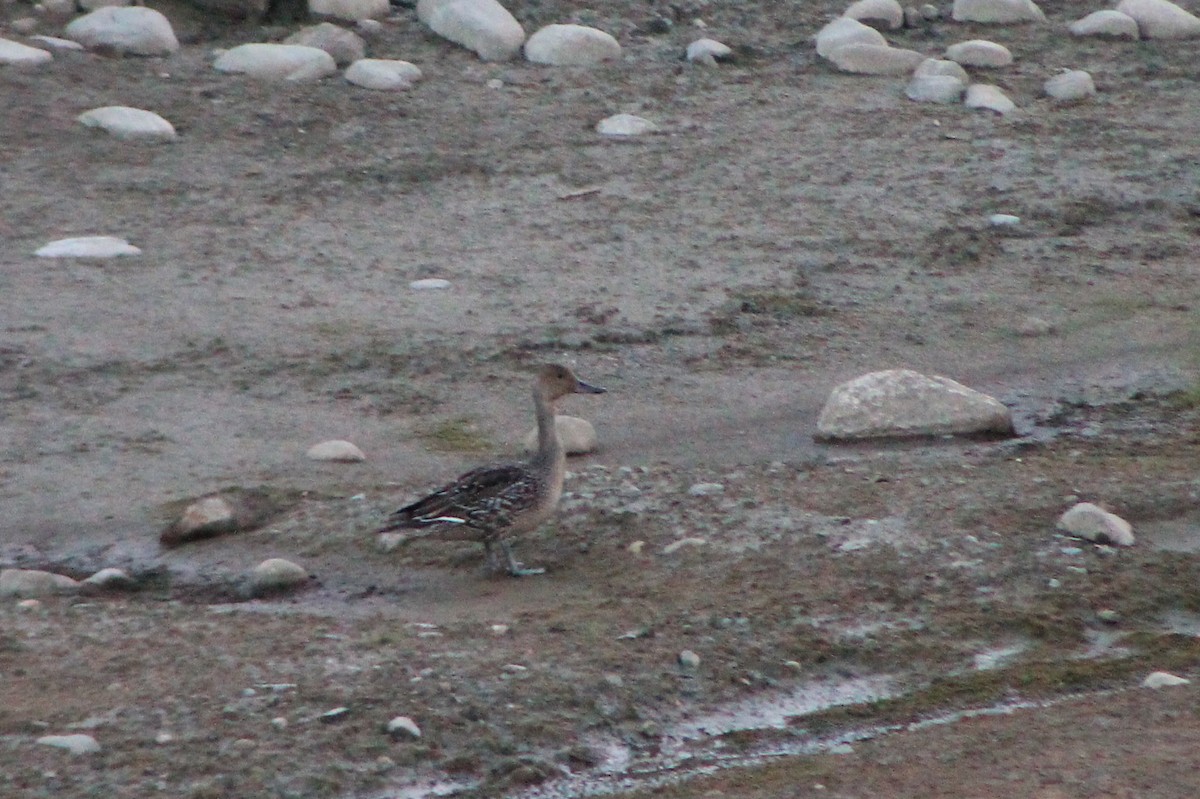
484, 499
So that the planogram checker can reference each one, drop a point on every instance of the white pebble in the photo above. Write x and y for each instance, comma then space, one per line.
337, 451
30, 583
123, 122
979, 53
989, 98
17, 54
1004, 220
1108, 22
675, 546
707, 51
1074, 84
382, 74
942, 89
625, 125
276, 574
88, 247
706, 489
689, 659
1093, 523
403, 727
77, 744
1163, 679
571, 45
429, 284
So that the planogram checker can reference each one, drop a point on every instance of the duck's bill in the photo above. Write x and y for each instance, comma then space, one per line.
588, 388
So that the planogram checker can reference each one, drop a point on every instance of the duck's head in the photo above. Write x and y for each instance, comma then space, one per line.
555, 380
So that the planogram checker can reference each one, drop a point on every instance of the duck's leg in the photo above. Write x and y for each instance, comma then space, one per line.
515, 568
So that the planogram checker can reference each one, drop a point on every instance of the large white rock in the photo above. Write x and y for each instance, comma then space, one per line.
979, 53
275, 574
34, 583
1106, 23
484, 26
988, 97
577, 435
625, 125
1002, 11
124, 122
943, 89
707, 52
843, 31
383, 74
1161, 19
874, 59
135, 30
901, 402
350, 10
1094, 523
87, 247
1074, 84
345, 46
939, 66
277, 62
887, 12
571, 45
17, 54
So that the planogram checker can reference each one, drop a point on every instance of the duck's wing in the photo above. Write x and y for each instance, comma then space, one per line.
486, 499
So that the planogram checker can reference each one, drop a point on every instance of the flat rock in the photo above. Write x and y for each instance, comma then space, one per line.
843, 31
901, 402
274, 575
31, 583
940, 66
87, 247
17, 54
874, 59
55, 43
886, 12
988, 97
277, 62
571, 45
77, 744
482, 26
133, 124
1108, 22
577, 435
1093, 523
345, 46
1161, 19
350, 10
707, 52
935, 89
979, 53
706, 489
1074, 84
1163, 679
382, 74
625, 125
337, 451
1001, 11
135, 30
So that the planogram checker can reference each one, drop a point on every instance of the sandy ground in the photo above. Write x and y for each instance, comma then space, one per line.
789, 228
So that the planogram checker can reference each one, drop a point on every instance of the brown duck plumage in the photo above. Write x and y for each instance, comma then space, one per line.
491, 504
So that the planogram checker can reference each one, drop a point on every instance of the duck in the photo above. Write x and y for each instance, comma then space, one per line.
494, 504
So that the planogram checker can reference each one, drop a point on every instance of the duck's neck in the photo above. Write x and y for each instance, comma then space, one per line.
549, 451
